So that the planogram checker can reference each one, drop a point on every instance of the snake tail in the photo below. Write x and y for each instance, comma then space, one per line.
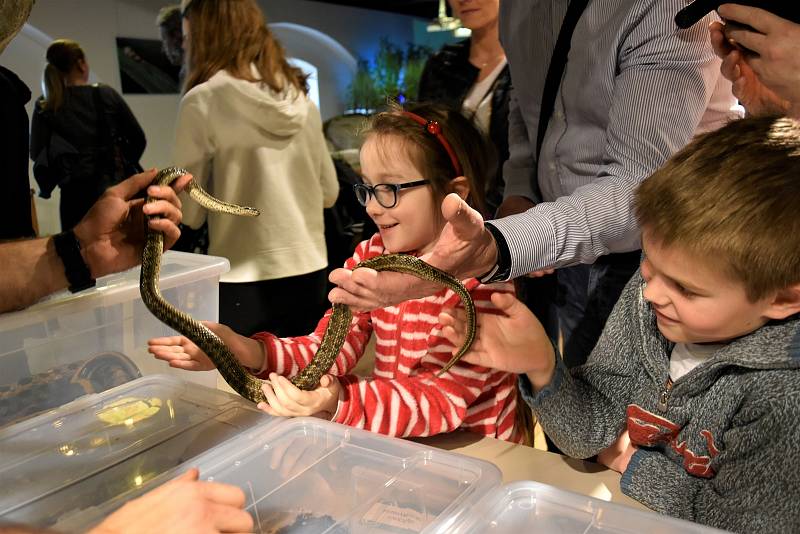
339, 323
229, 367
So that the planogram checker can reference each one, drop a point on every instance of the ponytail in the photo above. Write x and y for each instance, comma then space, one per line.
63, 56
54, 88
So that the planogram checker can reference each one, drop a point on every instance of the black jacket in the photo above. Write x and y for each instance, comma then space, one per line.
96, 139
448, 77
15, 217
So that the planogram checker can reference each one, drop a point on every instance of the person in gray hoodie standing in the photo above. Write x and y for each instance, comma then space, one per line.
248, 133
693, 390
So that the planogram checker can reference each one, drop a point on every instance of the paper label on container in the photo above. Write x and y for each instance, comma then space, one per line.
396, 518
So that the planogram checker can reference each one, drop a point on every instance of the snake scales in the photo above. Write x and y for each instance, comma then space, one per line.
244, 383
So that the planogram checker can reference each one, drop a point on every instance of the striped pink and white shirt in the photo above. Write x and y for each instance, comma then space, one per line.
404, 397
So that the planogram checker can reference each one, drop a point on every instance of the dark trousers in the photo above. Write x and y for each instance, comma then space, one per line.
585, 296
285, 306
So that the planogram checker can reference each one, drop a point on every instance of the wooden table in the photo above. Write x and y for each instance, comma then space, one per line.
518, 462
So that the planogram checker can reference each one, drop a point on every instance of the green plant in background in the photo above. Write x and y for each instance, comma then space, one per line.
388, 69
416, 57
393, 75
363, 93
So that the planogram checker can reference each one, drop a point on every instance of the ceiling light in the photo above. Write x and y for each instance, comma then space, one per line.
444, 23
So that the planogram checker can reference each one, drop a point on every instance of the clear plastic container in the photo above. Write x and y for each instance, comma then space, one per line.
534, 507
307, 476
71, 345
61, 469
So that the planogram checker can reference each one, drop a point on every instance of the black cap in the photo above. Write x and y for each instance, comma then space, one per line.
686, 17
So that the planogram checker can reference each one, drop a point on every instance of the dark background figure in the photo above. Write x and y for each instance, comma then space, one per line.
144, 69
169, 26
84, 138
16, 218
473, 76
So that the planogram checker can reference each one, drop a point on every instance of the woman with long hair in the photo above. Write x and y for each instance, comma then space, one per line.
84, 136
248, 133
472, 75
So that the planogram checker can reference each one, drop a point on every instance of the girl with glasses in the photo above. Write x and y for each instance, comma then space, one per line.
410, 160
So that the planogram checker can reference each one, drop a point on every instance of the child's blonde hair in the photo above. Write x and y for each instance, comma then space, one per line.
474, 155
733, 196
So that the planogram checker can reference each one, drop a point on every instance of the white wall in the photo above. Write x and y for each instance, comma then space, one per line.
342, 33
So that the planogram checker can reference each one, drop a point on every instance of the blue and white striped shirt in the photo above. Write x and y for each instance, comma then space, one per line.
635, 90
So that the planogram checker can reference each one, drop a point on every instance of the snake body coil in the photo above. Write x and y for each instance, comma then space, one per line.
339, 324
244, 383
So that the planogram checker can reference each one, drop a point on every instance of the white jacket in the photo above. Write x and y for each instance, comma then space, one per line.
248, 145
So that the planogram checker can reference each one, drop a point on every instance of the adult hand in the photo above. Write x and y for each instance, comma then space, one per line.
112, 233
182, 353
284, 399
766, 74
464, 249
618, 455
182, 505
513, 341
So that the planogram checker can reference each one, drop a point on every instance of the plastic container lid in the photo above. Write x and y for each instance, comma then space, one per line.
534, 507
307, 475
69, 345
177, 269
108, 446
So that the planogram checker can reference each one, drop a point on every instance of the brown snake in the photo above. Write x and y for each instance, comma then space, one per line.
242, 381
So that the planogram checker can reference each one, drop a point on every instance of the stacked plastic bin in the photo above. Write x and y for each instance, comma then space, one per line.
72, 345
62, 469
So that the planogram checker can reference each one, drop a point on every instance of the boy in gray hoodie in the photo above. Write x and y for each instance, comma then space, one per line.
693, 390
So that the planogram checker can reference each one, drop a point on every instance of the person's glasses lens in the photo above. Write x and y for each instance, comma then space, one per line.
362, 193
385, 194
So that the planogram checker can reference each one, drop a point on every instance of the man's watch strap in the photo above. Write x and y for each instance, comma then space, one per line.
502, 269
69, 250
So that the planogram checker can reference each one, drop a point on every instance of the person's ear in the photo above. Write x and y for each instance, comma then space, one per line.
460, 186
785, 303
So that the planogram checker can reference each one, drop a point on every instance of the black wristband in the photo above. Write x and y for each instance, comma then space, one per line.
501, 269
69, 250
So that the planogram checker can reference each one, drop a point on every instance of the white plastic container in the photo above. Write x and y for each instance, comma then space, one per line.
67, 468
70, 345
534, 507
306, 475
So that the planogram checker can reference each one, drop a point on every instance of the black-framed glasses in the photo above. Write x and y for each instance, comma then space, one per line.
385, 194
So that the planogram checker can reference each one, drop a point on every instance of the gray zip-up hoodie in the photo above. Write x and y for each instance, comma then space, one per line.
720, 446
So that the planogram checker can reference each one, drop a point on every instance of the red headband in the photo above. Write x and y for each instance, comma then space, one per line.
433, 128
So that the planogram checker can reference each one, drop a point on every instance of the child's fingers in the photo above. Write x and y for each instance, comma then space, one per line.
186, 365
281, 406
290, 396
507, 303
170, 340
452, 316
266, 388
266, 408
453, 336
